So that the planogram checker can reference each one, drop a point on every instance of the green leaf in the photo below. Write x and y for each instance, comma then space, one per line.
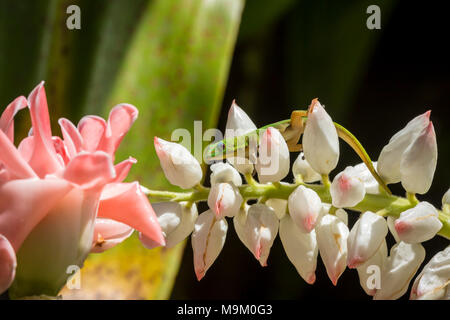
175, 73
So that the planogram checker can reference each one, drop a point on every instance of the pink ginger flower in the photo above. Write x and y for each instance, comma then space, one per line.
61, 199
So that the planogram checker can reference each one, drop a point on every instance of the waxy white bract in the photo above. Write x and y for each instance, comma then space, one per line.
365, 238
208, 239
302, 168
304, 207
224, 172
419, 161
370, 183
176, 220
433, 282
301, 248
391, 155
418, 224
273, 161
224, 199
279, 205
398, 270
260, 229
179, 165
332, 234
347, 189
320, 140
238, 124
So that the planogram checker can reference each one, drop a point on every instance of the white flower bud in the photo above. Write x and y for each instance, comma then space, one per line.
279, 205
399, 269
342, 214
302, 168
239, 221
365, 238
433, 282
391, 155
225, 173
238, 124
366, 270
446, 198
208, 239
301, 248
347, 190
261, 228
273, 161
179, 165
418, 224
176, 221
419, 162
370, 183
391, 225
224, 199
332, 234
320, 140
304, 207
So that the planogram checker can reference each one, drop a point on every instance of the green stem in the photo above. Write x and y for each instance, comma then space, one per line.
384, 204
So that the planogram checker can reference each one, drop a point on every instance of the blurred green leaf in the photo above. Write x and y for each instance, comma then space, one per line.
175, 73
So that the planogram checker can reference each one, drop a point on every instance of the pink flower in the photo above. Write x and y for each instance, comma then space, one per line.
62, 198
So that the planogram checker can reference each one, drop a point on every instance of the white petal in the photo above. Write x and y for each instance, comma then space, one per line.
446, 198
305, 207
332, 234
301, 248
390, 157
370, 183
391, 225
433, 282
302, 168
261, 228
179, 165
365, 238
347, 190
320, 140
398, 270
342, 214
208, 239
239, 221
419, 161
224, 199
224, 172
418, 224
367, 270
273, 161
279, 205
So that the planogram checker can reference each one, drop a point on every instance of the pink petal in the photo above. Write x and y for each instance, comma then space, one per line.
43, 159
123, 168
108, 233
90, 170
7, 118
12, 160
125, 202
23, 204
26, 147
72, 138
61, 150
120, 120
8, 264
92, 130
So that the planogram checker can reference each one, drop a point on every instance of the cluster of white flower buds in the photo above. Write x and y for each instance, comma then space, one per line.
307, 224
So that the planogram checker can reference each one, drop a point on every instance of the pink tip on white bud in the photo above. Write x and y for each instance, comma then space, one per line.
320, 140
418, 224
301, 248
347, 189
418, 162
305, 207
179, 165
366, 270
208, 239
224, 199
273, 162
365, 238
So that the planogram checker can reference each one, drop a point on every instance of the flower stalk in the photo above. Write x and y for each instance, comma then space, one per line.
389, 205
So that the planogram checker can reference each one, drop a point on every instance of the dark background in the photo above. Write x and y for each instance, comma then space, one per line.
371, 81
